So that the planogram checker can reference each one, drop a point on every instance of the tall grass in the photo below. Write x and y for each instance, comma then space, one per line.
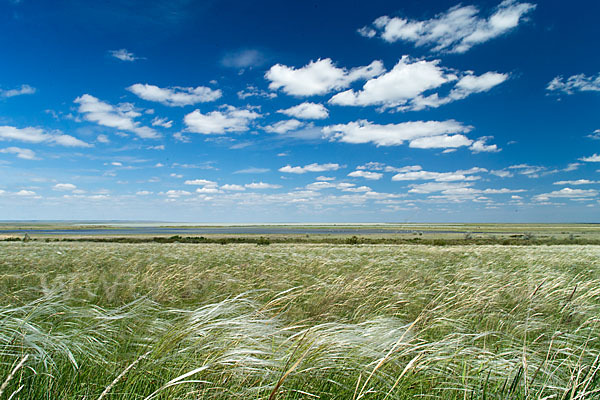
145, 321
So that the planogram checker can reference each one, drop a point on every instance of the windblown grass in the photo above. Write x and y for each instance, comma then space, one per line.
169, 321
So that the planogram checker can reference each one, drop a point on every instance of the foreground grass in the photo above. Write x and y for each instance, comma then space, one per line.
298, 321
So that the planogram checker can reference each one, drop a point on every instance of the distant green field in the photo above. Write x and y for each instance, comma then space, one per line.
459, 227
298, 321
428, 234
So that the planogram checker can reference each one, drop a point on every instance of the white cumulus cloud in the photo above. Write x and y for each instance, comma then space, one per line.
284, 126
164, 122
471, 83
102, 139
25, 193
208, 190
325, 178
118, 117
261, 185
593, 158
440, 142
419, 134
372, 166
200, 182
37, 135
576, 182
502, 191
405, 81
406, 168
232, 187
404, 86
318, 77
24, 89
460, 175
575, 83
366, 174
567, 193
343, 186
431, 187
306, 110
467, 85
252, 91
174, 194
455, 31
228, 119
480, 146
310, 168
175, 96
594, 135
65, 187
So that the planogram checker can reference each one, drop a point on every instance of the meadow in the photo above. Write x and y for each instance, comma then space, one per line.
82, 320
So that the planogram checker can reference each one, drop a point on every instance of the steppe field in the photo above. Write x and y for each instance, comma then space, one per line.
84, 320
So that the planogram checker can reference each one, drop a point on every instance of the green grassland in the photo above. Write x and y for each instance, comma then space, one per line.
426, 234
298, 321
556, 228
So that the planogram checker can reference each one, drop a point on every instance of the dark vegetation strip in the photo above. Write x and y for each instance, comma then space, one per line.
513, 240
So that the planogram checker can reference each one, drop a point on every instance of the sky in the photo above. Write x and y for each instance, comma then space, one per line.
307, 111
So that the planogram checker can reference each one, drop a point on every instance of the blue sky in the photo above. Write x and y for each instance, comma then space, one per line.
312, 111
